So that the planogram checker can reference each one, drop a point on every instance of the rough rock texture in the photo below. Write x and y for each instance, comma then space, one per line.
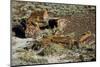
78, 19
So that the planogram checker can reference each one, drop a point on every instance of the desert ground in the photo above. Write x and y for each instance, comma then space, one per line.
78, 33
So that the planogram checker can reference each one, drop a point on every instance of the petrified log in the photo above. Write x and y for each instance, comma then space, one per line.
65, 40
19, 29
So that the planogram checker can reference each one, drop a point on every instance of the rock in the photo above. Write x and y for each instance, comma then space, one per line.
18, 43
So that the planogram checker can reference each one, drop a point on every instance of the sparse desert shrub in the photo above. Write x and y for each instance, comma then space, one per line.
42, 61
27, 56
31, 58
53, 49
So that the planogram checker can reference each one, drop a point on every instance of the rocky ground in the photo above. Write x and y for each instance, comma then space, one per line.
51, 54
82, 19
